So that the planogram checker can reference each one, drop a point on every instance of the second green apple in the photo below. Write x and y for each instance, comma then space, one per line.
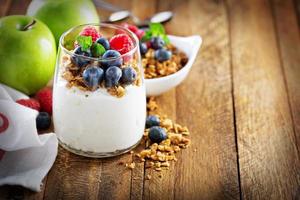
62, 15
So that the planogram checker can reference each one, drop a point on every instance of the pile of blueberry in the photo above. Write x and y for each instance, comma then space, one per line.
108, 68
158, 44
156, 133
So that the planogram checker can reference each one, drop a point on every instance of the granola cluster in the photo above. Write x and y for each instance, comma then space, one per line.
73, 74
159, 155
154, 68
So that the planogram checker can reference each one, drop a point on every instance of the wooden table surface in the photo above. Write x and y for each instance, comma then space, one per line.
241, 102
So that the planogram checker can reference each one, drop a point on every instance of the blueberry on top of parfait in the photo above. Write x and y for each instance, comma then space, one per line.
78, 59
128, 75
93, 76
104, 42
112, 76
113, 58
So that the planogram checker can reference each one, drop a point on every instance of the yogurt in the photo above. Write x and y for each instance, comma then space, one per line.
97, 123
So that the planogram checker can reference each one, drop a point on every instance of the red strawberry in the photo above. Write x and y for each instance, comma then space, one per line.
121, 43
30, 103
90, 31
44, 96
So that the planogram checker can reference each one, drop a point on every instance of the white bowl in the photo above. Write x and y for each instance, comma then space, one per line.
189, 45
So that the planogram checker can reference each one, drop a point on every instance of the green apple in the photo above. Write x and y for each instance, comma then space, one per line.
61, 15
27, 53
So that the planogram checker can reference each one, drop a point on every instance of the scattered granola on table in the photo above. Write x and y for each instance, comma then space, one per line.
163, 139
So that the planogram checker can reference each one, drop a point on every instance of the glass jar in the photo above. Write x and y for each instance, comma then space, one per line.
102, 121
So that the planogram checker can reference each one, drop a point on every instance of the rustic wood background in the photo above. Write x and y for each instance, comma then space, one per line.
241, 102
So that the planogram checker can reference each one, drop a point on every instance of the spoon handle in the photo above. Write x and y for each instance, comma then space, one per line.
107, 6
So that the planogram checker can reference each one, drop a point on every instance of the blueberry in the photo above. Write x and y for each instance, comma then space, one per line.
157, 134
43, 121
112, 76
128, 75
143, 48
78, 60
157, 43
152, 120
104, 42
92, 76
113, 58
162, 55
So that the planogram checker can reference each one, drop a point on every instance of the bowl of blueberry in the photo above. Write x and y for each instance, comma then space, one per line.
166, 59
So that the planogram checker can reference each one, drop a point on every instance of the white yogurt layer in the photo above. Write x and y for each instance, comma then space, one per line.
97, 121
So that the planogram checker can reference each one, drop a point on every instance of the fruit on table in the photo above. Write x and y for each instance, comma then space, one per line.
61, 15
30, 103
157, 134
162, 55
43, 121
152, 120
27, 53
44, 96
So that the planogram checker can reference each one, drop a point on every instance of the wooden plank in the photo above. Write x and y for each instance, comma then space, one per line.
161, 185
297, 8
73, 177
268, 159
5, 4
208, 169
289, 45
142, 10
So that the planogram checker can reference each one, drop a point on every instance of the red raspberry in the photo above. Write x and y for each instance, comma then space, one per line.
131, 27
30, 103
148, 44
121, 43
138, 32
44, 96
90, 31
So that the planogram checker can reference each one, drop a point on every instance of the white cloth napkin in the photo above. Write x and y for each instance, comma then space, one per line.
28, 156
